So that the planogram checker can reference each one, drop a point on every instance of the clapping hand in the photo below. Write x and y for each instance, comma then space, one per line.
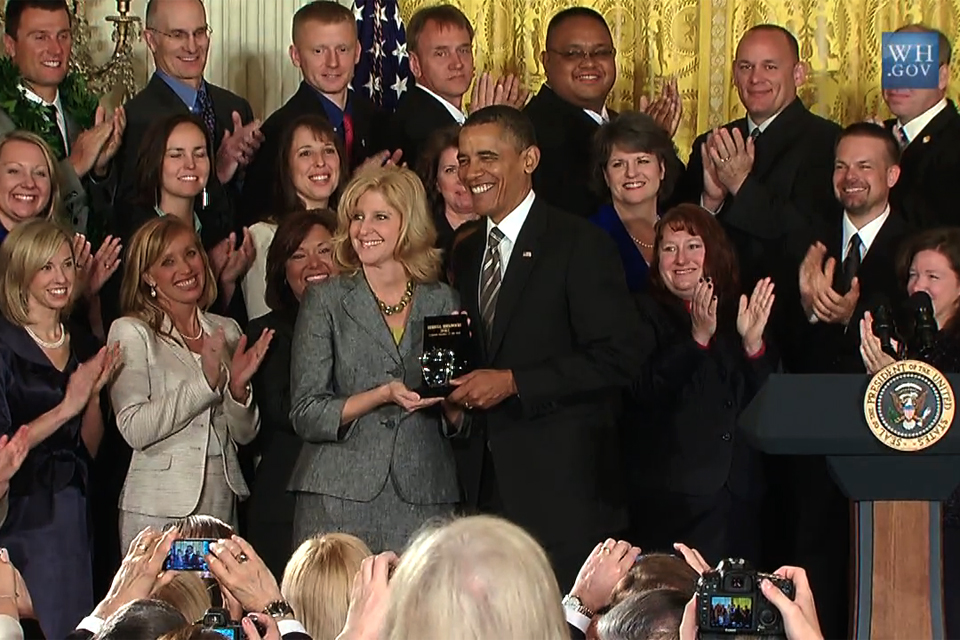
228, 262
871, 350
103, 265
119, 121
667, 109
703, 312
237, 147
753, 315
245, 363
90, 377
89, 145
732, 157
211, 357
13, 451
506, 90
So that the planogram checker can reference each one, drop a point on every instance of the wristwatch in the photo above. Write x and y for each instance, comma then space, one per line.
576, 604
278, 609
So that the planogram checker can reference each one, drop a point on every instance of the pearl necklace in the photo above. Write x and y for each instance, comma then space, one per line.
645, 245
56, 344
193, 338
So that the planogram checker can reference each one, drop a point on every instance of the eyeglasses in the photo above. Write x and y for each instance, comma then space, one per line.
182, 37
580, 55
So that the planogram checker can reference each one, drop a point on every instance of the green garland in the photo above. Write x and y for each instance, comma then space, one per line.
76, 99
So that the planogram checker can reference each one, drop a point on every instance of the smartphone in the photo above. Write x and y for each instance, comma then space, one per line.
189, 555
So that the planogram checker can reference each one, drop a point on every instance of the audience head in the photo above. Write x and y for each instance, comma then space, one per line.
38, 270
498, 154
478, 577
866, 167
634, 160
440, 42
579, 59
301, 254
690, 245
652, 615
29, 179
383, 217
165, 266
38, 40
203, 527
318, 579
930, 261
187, 593
767, 71
657, 571
178, 36
325, 46
907, 104
174, 160
141, 620
439, 171
311, 165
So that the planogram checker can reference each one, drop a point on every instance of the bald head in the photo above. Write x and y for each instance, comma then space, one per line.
179, 38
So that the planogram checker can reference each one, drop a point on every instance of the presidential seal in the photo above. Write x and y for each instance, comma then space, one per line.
909, 405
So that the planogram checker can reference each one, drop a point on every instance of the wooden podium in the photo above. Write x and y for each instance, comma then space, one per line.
897, 537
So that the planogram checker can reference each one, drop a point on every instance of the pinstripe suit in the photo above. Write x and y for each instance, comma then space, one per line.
390, 470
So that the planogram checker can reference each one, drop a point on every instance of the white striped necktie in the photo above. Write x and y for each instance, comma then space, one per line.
490, 280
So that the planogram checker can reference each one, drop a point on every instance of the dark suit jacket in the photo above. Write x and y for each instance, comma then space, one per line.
789, 191
260, 181
925, 193
833, 348
566, 327
680, 428
565, 137
417, 116
157, 101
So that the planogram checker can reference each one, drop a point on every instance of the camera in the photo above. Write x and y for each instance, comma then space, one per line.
218, 620
189, 554
729, 601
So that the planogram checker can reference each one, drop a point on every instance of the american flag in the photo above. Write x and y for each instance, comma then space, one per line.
383, 73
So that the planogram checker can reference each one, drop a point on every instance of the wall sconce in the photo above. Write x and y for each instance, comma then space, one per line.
118, 70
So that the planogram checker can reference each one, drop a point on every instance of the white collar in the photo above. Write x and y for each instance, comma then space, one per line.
868, 232
751, 125
916, 126
457, 114
511, 224
599, 118
33, 97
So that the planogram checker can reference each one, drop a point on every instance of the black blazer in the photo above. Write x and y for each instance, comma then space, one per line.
417, 116
680, 427
832, 348
566, 327
789, 191
271, 506
260, 181
565, 137
925, 193
157, 101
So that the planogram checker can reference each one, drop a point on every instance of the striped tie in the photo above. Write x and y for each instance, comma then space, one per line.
902, 137
490, 280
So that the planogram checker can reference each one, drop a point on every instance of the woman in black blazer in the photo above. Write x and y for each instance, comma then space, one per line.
692, 479
300, 254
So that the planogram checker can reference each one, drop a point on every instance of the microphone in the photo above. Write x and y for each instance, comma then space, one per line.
925, 324
884, 329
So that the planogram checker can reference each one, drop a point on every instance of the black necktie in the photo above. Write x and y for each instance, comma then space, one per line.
60, 150
851, 264
755, 133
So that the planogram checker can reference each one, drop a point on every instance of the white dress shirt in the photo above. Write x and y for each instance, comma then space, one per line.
913, 128
457, 113
868, 233
61, 119
510, 227
600, 118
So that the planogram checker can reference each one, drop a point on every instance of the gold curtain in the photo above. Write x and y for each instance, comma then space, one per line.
695, 40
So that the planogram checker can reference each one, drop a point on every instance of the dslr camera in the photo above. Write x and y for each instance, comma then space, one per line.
729, 601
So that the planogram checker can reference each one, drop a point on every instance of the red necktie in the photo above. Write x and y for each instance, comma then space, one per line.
348, 136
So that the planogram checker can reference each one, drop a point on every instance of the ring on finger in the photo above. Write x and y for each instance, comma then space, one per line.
242, 558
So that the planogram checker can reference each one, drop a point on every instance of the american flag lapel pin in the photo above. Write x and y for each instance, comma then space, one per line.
527, 254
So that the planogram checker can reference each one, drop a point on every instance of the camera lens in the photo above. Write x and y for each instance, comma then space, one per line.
768, 617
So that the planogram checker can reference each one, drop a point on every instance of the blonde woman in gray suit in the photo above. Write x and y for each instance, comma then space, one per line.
374, 462
182, 397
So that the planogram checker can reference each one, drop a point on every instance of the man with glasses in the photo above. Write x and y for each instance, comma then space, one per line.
179, 38
581, 68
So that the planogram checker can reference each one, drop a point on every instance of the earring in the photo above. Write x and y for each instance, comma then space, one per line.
204, 199
153, 291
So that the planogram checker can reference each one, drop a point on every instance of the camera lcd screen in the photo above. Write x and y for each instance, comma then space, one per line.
728, 612
189, 555
228, 632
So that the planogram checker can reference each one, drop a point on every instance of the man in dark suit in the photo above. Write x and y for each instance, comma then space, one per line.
927, 126
581, 68
555, 343
860, 272
766, 176
37, 40
325, 49
178, 37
